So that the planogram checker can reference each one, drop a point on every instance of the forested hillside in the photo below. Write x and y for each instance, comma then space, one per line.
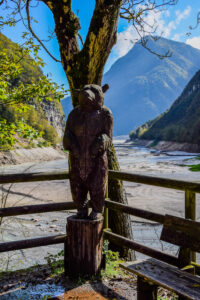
36, 119
181, 123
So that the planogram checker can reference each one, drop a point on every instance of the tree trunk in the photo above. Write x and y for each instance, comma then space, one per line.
119, 223
86, 66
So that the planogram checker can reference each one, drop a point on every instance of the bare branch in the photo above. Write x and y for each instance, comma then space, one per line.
144, 41
33, 33
80, 37
197, 22
136, 13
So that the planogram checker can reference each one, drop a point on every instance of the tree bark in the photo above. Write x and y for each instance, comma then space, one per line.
119, 223
83, 247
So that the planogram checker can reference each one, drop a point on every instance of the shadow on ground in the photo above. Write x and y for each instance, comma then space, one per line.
37, 283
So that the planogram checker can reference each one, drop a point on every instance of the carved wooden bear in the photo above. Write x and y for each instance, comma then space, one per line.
88, 135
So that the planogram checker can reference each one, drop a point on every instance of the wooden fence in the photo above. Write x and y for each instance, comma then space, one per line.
190, 189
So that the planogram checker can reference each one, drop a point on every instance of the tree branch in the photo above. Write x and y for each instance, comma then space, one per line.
101, 37
136, 14
33, 33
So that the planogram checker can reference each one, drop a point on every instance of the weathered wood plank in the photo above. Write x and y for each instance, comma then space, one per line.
190, 213
135, 211
31, 243
60, 175
181, 232
120, 240
32, 209
169, 277
190, 205
30, 177
156, 181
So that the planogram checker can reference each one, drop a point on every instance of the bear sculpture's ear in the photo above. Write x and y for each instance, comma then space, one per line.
105, 87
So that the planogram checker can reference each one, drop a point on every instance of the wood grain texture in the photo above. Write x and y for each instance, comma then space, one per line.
156, 181
169, 277
83, 247
135, 211
114, 175
190, 213
38, 208
181, 232
30, 177
31, 243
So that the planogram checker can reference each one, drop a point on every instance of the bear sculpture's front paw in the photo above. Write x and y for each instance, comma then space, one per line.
83, 213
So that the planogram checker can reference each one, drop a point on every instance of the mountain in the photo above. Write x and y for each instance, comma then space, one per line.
142, 86
181, 123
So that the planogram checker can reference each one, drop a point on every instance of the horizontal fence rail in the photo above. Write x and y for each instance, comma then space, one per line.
156, 181
145, 214
31, 243
43, 208
190, 189
120, 240
32, 209
144, 179
31, 177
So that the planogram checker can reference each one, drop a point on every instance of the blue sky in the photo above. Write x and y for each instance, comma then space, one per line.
173, 24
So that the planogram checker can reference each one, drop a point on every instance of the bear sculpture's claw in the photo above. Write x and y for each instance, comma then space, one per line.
94, 215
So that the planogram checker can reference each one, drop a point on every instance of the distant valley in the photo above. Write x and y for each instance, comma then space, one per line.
181, 123
142, 86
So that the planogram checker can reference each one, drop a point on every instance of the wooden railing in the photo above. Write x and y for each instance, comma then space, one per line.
190, 188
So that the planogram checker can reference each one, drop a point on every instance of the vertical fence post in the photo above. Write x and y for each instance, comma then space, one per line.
106, 225
190, 211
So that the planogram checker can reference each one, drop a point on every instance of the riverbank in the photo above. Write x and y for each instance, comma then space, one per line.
34, 155
166, 145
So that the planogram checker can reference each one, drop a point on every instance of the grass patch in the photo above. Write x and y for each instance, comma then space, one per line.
194, 168
112, 269
56, 263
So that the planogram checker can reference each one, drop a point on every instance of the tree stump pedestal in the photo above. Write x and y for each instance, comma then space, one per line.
83, 247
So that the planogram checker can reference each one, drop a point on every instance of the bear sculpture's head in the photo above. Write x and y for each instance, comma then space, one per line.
91, 96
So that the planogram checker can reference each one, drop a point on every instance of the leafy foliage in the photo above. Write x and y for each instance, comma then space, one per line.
56, 263
22, 87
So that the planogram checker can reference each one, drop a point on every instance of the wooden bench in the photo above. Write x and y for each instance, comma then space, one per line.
153, 273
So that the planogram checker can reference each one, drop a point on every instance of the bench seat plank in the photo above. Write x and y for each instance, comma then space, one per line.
167, 276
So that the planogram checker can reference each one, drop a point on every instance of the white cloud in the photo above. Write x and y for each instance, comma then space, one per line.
194, 42
168, 28
127, 38
125, 41
183, 15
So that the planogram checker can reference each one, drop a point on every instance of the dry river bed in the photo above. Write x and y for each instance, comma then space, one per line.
136, 160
